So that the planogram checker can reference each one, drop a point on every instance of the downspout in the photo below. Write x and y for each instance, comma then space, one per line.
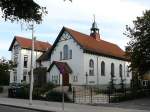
124, 74
97, 73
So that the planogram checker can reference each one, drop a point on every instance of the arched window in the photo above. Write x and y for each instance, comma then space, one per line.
91, 67
112, 70
102, 68
60, 55
120, 70
65, 51
128, 71
70, 54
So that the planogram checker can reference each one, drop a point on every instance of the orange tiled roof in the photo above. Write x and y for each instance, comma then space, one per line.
101, 47
63, 67
27, 44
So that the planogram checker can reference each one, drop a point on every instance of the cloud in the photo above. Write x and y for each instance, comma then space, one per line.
111, 17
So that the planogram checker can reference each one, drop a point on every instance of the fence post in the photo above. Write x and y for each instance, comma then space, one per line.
125, 91
73, 94
91, 94
108, 90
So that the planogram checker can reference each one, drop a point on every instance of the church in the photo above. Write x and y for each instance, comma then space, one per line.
80, 59
74, 58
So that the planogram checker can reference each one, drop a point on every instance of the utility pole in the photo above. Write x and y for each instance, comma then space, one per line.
32, 65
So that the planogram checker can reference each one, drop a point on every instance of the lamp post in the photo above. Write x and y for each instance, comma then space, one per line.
86, 78
32, 65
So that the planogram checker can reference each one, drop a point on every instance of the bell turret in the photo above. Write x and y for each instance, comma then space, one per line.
95, 31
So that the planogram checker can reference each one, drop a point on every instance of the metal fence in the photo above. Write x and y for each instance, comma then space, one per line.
90, 95
95, 95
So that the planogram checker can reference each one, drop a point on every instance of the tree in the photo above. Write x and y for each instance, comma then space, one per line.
5, 66
138, 50
26, 10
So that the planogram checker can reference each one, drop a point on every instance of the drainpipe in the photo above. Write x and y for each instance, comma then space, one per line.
97, 73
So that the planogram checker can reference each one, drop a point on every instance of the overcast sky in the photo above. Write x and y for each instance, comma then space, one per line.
111, 17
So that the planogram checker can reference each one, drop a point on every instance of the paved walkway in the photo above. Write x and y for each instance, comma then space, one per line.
46, 106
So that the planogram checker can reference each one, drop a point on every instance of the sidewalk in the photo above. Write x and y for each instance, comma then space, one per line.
46, 106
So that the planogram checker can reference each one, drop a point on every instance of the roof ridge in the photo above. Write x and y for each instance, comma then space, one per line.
90, 36
30, 39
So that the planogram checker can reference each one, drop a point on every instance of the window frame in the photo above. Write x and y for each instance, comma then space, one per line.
112, 70
65, 52
102, 68
25, 61
91, 67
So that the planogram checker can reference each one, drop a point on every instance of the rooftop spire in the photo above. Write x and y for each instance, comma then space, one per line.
95, 30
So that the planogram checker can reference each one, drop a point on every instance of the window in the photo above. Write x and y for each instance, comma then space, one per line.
128, 71
112, 70
70, 54
75, 78
91, 67
24, 78
16, 49
25, 61
60, 55
120, 70
65, 51
15, 76
102, 68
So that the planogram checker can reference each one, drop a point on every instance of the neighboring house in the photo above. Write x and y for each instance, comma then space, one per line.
21, 56
85, 59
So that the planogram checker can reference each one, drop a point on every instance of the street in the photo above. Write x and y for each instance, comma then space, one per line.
13, 109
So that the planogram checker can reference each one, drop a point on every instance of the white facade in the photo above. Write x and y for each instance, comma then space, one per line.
77, 57
79, 63
20, 71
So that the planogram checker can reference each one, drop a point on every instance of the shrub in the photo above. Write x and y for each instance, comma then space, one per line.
22, 91
57, 96
1, 89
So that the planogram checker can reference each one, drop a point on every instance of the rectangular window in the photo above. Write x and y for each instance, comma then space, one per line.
75, 79
16, 49
91, 72
25, 61
24, 78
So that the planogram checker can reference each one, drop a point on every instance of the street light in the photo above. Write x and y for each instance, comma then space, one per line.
32, 65
86, 78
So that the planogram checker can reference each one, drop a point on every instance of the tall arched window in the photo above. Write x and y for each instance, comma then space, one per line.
65, 51
128, 71
120, 70
102, 68
112, 70
70, 54
60, 55
91, 67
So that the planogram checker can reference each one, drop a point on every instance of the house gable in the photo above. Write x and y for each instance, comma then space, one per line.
26, 43
64, 35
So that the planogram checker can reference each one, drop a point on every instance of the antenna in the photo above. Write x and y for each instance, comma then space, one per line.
94, 17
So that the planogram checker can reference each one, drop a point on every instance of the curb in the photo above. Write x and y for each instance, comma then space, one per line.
28, 108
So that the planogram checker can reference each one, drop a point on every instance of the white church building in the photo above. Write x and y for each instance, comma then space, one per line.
77, 59
81, 59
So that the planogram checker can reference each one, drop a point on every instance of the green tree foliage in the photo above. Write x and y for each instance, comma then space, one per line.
138, 49
5, 66
26, 10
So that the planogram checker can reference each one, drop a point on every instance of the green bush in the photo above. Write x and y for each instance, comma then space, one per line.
57, 96
1, 89
22, 91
